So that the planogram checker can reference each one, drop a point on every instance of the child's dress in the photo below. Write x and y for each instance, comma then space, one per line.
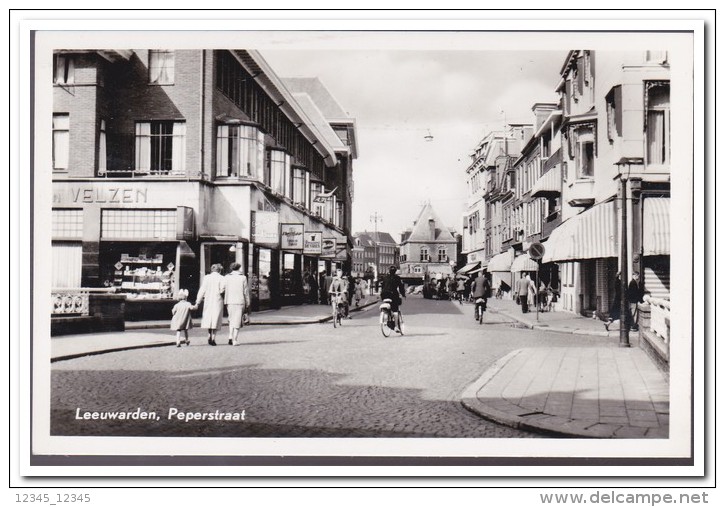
181, 316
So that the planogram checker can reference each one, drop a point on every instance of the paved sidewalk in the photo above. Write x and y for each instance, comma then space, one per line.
582, 392
136, 335
561, 322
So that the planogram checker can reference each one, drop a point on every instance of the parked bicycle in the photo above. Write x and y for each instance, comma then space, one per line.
390, 321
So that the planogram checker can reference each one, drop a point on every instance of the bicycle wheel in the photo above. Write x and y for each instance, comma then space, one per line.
384, 323
334, 316
339, 317
401, 324
480, 315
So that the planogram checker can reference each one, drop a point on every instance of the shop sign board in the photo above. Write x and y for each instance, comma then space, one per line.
313, 243
292, 236
265, 228
328, 247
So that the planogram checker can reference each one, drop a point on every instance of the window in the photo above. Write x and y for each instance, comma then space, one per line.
442, 254
300, 184
424, 255
102, 157
67, 223
61, 141
614, 113
239, 151
161, 67
160, 147
316, 189
128, 224
584, 151
278, 170
63, 69
417, 269
657, 126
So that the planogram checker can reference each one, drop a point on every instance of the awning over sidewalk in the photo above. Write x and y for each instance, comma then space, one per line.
656, 226
500, 262
524, 263
468, 268
589, 235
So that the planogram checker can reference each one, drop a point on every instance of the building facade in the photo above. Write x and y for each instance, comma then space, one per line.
615, 152
428, 249
166, 162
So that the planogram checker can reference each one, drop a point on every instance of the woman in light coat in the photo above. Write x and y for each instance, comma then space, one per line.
212, 293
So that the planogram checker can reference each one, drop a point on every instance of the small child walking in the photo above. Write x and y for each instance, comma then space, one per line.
181, 317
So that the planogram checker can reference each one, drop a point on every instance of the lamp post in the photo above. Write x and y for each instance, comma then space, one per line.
623, 253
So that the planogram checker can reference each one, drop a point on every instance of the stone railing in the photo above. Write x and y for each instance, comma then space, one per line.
72, 301
660, 318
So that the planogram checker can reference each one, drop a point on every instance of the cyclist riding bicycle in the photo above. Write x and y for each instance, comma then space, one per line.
339, 287
393, 289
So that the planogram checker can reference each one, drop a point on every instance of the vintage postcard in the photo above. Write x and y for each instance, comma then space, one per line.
453, 243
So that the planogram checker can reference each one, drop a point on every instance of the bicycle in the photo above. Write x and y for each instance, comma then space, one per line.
479, 309
388, 321
337, 308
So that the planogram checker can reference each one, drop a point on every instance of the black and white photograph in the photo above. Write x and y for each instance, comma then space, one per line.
295, 247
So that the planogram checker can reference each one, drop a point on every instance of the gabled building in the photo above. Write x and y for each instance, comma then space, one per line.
428, 248
168, 161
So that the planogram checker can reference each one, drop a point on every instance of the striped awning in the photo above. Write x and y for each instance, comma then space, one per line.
549, 184
524, 263
468, 268
500, 262
593, 234
656, 226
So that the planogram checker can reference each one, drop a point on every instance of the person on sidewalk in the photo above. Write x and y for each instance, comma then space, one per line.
522, 290
532, 291
323, 287
634, 297
211, 293
236, 297
181, 317
359, 291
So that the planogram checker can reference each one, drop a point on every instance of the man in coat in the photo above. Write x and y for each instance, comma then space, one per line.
522, 290
634, 297
236, 297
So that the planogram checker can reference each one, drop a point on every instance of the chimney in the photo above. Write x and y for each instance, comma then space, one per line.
432, 228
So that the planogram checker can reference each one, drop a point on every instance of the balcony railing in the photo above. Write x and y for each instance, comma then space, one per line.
660, 318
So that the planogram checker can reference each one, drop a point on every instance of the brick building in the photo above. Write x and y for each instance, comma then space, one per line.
166, 162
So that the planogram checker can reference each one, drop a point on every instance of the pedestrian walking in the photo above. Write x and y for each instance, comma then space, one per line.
634, 297
531, 291
359, 291
522, 290
181, 320
236, 297
211, 293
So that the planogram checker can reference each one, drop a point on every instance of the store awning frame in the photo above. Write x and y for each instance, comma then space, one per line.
468, 268
592, 234
500, 262
524, 263
656, 226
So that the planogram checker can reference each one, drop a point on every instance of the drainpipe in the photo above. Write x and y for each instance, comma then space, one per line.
202, 97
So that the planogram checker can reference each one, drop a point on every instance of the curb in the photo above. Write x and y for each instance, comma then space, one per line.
555, 329
166, 344
513, 416
139, 325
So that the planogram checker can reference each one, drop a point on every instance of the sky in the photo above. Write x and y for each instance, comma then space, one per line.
398, 97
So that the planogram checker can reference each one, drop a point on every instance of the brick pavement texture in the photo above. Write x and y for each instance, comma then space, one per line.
601, 392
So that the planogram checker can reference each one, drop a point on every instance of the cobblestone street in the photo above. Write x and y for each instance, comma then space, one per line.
303, 381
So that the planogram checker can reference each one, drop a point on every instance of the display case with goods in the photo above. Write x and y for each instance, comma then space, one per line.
143, 277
